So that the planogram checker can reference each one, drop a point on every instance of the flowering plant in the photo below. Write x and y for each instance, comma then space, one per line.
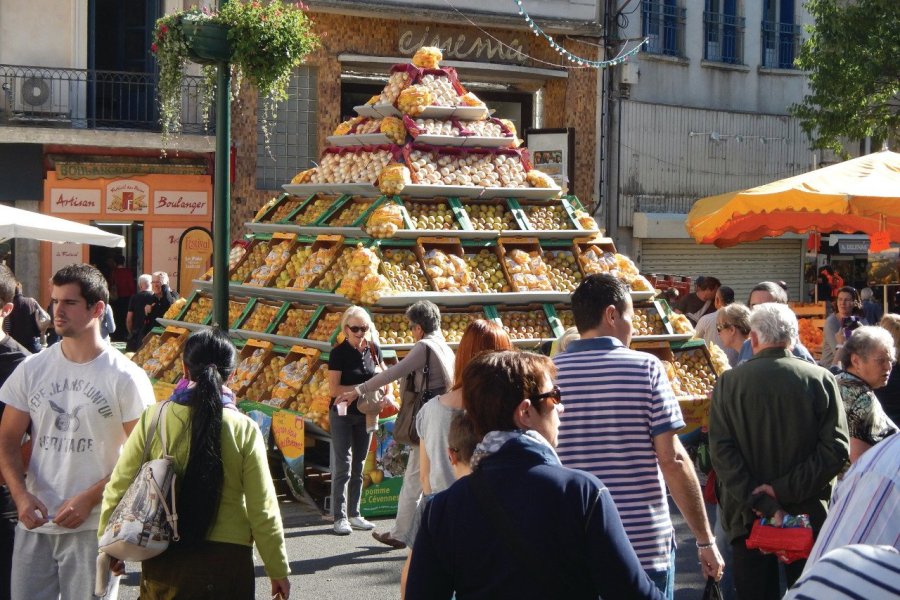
267, 40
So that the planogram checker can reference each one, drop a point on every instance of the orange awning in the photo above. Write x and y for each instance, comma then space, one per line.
859, 195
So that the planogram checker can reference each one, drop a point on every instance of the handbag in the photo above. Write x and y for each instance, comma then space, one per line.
787, 543
413, 400
372, 403
712, 590
145, 520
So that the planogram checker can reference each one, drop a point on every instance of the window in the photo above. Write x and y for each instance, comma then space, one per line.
293, 134
723, 31
662, 21
780, 35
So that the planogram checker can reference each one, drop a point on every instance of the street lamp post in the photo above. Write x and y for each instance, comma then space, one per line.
222, 193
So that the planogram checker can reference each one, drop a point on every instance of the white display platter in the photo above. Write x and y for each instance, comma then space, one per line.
526, 193
638, 296
357, 189
307, 297
376, 111
465, 113
411, 234
549, 234
358, 139
182, 324
304, 229
466, 141
418, 190
675, 337
447, 299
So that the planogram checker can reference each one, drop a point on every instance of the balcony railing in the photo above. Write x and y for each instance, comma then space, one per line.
780, 42
724, 35
663, 24
92, 99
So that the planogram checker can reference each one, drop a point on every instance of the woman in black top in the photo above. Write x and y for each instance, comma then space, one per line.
350, 363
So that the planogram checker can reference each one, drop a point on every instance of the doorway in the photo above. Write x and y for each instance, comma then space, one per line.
111, 262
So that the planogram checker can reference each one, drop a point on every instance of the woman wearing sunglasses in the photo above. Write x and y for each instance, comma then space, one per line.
521, 525
352, 362
733, 327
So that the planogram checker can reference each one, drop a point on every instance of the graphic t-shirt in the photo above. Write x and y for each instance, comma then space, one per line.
76, 411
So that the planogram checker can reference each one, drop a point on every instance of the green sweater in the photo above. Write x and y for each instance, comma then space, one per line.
248, 509
777, 420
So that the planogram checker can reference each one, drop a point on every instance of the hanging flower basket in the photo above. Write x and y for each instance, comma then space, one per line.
260, 41
206, 41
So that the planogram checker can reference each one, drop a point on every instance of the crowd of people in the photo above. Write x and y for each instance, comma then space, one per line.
513, 454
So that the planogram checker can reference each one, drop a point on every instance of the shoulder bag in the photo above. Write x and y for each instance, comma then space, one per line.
413, 398
145, 520
372, 403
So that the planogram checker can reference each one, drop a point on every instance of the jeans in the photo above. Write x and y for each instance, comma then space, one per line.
349, 446
756, 575
727, 582
665, 580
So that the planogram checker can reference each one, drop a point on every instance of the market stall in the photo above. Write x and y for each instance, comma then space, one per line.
387, 219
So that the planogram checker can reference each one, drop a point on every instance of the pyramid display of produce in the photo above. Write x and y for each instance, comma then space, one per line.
421, 196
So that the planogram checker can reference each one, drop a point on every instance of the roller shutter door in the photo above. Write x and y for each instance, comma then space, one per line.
739, 267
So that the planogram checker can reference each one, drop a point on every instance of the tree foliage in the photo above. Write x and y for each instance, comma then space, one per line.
853, 58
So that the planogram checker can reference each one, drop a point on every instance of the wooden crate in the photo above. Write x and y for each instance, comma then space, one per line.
253, 357
401, 264
442, 277
325, 251
281, 246
526, 272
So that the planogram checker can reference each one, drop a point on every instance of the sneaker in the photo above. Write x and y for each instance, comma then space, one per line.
360, 523
342, 527
385, 538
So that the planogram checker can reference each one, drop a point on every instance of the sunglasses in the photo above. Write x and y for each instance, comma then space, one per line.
719, 328
358, 328
554, 396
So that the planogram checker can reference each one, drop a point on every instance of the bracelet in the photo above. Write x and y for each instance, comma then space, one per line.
705, 546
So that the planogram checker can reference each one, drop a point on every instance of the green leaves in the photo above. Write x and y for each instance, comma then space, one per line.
853, 56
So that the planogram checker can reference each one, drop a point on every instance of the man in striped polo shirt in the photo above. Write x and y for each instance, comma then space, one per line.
620, 423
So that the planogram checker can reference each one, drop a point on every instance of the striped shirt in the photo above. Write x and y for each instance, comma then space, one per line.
857, 572
617, 400
865, 506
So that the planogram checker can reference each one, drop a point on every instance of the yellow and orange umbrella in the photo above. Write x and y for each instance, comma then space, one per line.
859, 195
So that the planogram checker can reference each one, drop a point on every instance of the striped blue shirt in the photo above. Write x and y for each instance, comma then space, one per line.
617, 400
855, 572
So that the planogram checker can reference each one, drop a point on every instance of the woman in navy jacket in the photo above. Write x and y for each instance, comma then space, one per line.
522, 525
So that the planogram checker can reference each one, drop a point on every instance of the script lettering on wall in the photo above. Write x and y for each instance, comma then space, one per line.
510, 49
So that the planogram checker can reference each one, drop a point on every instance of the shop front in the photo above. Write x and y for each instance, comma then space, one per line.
150, 210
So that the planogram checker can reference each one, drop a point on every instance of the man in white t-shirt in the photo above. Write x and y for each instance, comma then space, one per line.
82, 399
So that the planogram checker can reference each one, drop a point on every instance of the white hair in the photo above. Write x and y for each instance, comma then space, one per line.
163, 277
774, 324
866, 340
866, 293
144, 281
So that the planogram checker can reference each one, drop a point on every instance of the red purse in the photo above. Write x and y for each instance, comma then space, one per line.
788, 543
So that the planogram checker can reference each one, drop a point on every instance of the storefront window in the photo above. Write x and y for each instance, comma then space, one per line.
292, 141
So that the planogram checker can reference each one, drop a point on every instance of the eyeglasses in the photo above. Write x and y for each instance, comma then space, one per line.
554, 396
720, 327
358, 328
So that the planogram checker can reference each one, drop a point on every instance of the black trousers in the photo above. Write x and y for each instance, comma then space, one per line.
756, 574
208, 571
8, 520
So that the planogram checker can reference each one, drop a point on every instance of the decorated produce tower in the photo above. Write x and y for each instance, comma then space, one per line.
421, 196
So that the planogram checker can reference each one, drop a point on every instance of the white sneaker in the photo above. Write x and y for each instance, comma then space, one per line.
360, 523
342, 527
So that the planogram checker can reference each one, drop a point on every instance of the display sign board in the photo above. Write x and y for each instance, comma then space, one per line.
195, 250
853, 246
167, 202
63, 255
552, 151
500, 47
164, 256
127, 197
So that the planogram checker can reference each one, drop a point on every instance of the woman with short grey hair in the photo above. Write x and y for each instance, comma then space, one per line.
425, 325
867, 356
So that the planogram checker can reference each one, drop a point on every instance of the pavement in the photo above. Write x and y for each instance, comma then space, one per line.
329, 567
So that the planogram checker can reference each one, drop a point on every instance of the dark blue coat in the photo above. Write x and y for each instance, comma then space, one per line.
576, 546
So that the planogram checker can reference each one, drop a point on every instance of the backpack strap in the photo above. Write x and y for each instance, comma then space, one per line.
154, 427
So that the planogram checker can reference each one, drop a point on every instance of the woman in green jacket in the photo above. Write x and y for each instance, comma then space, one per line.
225, 498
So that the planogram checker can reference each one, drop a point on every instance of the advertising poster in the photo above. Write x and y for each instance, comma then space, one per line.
383, 472
164, 256
288, 432
552, 151
195, 251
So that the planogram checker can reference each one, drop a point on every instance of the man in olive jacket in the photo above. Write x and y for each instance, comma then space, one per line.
778, 437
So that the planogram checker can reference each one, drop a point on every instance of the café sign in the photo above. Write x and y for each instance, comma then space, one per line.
507, 48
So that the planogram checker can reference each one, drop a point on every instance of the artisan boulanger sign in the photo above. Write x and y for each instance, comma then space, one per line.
506, 48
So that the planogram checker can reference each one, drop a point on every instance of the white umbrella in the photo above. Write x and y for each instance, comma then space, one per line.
18, 223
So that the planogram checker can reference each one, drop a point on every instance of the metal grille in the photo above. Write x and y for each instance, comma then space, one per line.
724, 36
92, 99
293, 134
779, 44
663, 24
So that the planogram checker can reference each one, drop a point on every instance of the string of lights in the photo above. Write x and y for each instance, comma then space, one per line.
578, 60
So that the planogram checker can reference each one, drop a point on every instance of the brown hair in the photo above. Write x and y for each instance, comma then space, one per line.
495, 383
462, 438
479, 336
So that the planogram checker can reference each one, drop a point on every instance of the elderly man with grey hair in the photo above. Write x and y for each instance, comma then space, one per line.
768, 291
778, 437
